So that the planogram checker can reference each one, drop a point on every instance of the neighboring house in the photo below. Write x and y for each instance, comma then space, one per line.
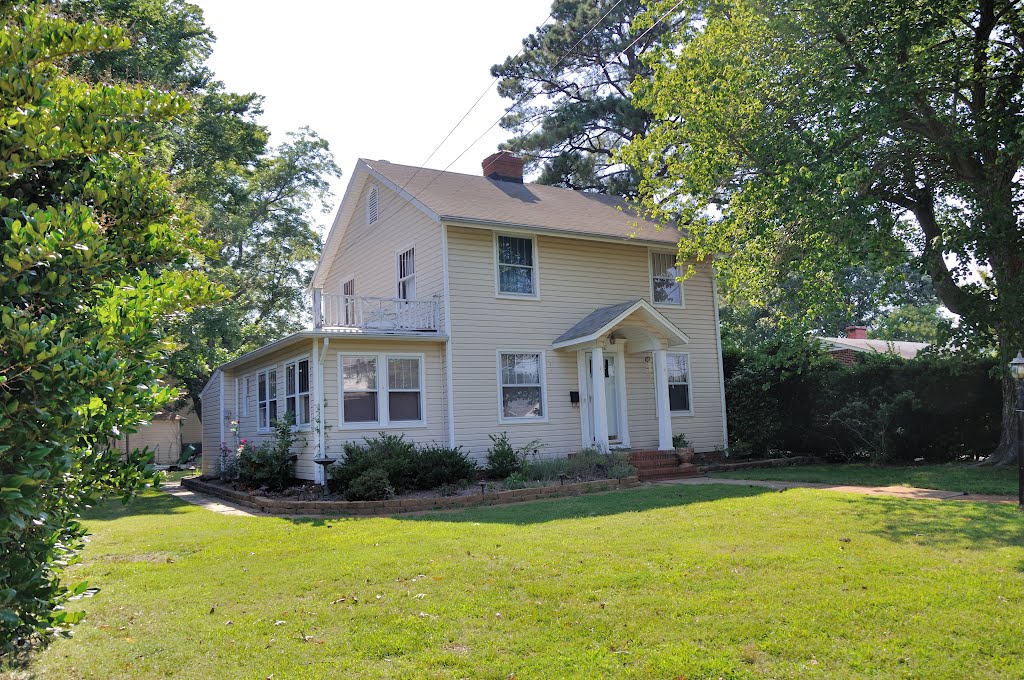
162, 434
449, 307
856, 342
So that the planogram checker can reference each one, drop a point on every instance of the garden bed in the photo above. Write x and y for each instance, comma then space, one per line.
283, 504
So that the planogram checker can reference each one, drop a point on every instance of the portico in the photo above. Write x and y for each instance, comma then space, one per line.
602, 340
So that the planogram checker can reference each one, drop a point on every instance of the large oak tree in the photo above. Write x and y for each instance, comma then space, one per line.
799, 137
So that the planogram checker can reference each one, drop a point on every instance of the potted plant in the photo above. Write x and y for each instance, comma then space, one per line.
683, 449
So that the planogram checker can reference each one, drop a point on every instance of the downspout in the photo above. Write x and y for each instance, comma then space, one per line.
450, 391
718, 345
319, 444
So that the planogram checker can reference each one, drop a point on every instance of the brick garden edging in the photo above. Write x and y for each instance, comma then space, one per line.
281, 506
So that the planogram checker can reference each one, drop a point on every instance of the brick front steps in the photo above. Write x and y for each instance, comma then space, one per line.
282, 506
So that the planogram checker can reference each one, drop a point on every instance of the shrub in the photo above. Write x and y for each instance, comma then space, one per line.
438, 465
269, 464
397, 457
503, 459
516, 480
372, 485
546, 470
679, 441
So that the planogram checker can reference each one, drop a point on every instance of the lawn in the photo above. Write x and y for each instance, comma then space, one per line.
950, 477
659, 582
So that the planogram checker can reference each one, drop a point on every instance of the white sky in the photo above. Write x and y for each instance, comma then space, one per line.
376, 80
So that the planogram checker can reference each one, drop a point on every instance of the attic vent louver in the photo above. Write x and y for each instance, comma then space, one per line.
371, 206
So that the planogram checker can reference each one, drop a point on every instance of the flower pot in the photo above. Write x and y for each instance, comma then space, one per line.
685, 455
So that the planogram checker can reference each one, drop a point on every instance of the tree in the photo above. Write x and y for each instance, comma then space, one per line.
95, 255
254, 200
579, 67
800, 137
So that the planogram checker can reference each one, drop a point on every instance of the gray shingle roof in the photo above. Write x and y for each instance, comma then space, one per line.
473, 198
594, 321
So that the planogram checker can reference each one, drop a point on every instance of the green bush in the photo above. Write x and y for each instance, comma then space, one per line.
516, 480
407, 467
372, 485
679, 441
438, 465
587, 464
269, 465
503, 459
882, 408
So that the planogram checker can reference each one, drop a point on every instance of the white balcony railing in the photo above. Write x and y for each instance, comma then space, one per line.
374, 313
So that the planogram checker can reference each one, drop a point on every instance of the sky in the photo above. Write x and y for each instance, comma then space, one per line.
380, 80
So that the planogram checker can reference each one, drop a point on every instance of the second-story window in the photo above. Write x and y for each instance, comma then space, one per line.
665, 288
517, 269
348, 289
407, 275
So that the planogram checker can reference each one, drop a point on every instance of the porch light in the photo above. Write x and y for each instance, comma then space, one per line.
1017, 371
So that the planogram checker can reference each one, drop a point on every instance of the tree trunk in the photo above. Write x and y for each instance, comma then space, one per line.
1006, 451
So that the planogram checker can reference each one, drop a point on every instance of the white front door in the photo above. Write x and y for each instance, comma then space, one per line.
611, 392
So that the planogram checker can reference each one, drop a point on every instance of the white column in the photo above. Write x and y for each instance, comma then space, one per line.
661, 392
600, 403
316, 407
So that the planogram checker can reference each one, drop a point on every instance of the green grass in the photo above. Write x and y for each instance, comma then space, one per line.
655, 582
951, 477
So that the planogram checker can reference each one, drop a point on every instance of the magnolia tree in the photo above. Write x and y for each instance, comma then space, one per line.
798, 138
96, 260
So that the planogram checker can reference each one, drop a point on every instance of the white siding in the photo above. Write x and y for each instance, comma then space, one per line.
211, 426
163, 437
575, 277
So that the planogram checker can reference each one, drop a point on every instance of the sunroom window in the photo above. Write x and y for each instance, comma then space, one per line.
381, 389
266, 399
296, 393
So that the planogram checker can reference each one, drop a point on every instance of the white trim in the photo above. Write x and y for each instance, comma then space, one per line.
586, 432
721, 370
662, 401
543, 418
498, 293
244, 410
449, 371
267, 368
620, 388
284, 365
600, 404
667, 326
689, 383
383, 421
650, 280
398, 268
512, 228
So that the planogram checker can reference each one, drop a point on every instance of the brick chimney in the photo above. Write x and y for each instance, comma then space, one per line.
504, 166
857, 332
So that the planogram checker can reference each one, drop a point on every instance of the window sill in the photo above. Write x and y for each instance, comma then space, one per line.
670, 305
521, 421
401, 425
514, 296
681, 413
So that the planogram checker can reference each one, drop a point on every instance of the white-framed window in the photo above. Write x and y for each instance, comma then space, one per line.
680, 394
348, 289
378, 390
521, 390
372, 206
266, 399
296, 390
516, 258
405, 270
246, 395
666, 289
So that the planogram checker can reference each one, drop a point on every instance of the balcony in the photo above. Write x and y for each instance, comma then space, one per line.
374, 313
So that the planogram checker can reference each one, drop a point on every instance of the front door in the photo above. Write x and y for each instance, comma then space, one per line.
611, 393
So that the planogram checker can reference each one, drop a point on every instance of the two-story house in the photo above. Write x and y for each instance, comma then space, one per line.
449, 307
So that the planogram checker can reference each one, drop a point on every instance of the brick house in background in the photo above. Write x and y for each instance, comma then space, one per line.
856, 342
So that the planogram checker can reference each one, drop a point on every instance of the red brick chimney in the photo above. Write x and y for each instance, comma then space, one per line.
857, 332
504, 166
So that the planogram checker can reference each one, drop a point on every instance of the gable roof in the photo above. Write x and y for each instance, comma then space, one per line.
476, 200
604, 319
901, 348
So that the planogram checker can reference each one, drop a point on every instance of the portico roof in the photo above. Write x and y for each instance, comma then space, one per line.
605, 319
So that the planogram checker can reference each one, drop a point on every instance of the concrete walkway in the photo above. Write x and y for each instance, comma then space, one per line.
891, 491
210, 503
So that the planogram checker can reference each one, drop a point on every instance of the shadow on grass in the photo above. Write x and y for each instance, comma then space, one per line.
590, 505
946, 524
149, 502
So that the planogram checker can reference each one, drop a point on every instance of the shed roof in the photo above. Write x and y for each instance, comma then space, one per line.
901, 348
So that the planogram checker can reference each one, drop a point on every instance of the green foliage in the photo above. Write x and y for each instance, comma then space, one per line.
269, 465
798, 138
371, 485
571, 105
503, 458
516, 480
97, 260
406, 466
679, 441
586, 464
882, 408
